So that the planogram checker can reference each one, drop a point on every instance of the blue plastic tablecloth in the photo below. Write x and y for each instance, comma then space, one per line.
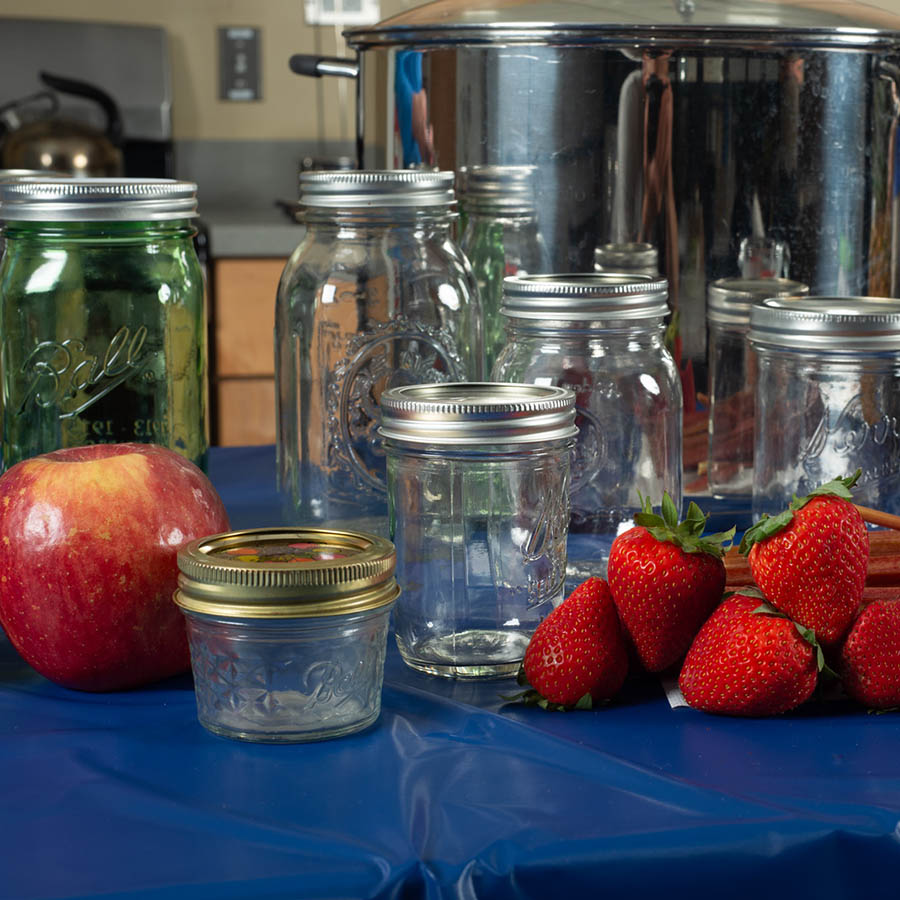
453, 793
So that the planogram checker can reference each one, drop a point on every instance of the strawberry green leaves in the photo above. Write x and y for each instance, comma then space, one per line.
808, 634
768, 526
531, 697
688, 535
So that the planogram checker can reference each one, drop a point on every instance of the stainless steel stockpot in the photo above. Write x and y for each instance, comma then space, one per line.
741, 137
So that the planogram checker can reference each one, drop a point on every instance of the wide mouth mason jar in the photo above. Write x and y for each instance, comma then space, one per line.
601, 336
478, 488
288, 630
732, 378
103, 318
827, 398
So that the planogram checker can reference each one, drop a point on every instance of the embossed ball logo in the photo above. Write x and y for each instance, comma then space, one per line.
395, 353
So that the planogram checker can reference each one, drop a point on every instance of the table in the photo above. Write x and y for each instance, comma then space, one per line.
454, 793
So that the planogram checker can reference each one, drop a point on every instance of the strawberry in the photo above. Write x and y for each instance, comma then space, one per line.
665, 580
810, 561
870, 657
750, 660
577, 656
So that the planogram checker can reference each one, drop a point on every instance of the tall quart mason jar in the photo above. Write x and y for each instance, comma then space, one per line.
500, 238
377, 294
827, 398
478, 478
732, 379
103, 316
601, 335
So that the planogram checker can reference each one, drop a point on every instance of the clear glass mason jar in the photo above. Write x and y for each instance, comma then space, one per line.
288, 630
500, 238
103, 316
376, 294
827, 398
478, 478
601, 335
732, 378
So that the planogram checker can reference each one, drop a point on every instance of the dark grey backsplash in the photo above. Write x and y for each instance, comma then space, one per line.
248, 174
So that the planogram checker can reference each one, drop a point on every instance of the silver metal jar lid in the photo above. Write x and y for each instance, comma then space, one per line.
97, 200
729, 300
626, 257
24, 174
284, 572
833, 324
585, 297
508, 189
397, 188
477, 413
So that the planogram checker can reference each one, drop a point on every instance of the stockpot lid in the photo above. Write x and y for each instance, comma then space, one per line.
388, 188
64, 199
591, 296
703, 24
477, 414
826, 324
729, 300
286, 572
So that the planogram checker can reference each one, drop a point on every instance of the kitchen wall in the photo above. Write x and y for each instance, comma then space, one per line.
243, 154
292, 107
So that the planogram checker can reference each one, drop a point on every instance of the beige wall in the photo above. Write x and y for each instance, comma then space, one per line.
291, 105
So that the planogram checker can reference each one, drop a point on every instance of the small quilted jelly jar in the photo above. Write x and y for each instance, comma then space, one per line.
288, 630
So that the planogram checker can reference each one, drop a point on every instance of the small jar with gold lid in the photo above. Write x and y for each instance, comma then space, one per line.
288, 630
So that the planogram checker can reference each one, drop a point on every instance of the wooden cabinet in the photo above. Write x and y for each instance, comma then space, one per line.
242, 358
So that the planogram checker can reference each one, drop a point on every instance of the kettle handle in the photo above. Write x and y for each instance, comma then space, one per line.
317, 66
89, 92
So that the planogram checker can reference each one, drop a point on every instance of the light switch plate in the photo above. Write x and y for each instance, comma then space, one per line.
239, 64
342, 12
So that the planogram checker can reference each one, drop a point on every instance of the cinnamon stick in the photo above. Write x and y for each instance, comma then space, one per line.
877, 517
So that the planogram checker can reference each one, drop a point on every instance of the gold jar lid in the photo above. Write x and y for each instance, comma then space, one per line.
279, 573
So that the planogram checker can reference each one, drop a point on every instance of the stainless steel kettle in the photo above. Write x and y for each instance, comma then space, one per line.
36, 136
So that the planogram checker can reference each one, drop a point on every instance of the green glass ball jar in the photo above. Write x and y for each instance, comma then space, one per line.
102, 316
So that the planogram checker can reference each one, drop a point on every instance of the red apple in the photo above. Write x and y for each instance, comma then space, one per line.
89, 538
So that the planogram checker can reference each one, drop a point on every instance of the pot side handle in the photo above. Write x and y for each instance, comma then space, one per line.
317, 66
